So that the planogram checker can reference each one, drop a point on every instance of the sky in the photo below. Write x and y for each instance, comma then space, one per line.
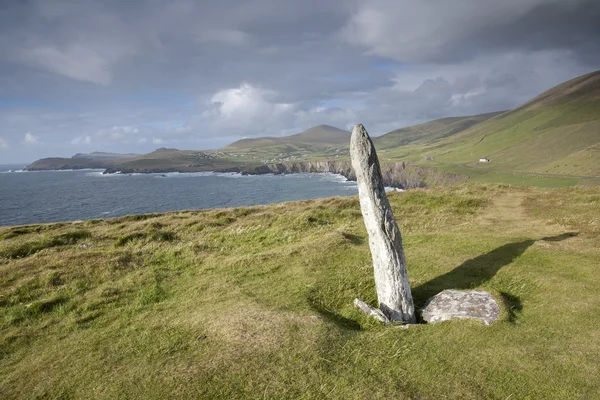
136, 75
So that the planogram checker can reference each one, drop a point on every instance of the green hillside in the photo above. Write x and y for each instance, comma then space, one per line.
429, 131
319, 142
100, 155
556, 133
322, 134
68, 163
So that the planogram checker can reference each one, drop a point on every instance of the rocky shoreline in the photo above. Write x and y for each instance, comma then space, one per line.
399, 175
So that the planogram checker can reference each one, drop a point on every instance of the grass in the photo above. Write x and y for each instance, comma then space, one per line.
257, 302
27, 248
429, 131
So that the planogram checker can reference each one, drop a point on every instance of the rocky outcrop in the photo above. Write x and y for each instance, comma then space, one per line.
389, 264
335, 167
452, 304
399, 174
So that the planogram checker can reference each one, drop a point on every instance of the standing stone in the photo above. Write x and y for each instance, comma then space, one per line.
389, 263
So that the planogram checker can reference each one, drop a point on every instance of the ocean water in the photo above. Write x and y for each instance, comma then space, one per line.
53, 196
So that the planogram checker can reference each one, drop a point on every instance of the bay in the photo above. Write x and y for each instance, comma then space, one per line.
54, 196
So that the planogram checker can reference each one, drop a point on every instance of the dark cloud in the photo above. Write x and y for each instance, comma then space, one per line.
136, 75
453, 31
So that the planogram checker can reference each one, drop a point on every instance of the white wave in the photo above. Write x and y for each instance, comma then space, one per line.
94, 173
197, 174
329, 176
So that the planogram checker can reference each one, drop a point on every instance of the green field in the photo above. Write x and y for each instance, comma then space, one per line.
257, 302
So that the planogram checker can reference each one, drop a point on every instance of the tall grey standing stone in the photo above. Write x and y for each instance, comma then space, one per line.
389, 263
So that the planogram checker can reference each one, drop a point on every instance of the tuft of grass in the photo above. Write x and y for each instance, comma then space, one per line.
125, 239
164, 236
20, 250
151, 295
39, 307
23, 230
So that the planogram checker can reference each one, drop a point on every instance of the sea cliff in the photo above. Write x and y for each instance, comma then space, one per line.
399, 174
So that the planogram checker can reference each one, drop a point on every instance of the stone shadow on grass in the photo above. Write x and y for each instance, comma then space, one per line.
317, 305
478, 270
513, 306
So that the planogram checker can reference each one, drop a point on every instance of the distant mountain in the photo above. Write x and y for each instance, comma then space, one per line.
429, 131
318, 135
99, 155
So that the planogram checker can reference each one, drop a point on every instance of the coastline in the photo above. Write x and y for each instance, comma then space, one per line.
400, 175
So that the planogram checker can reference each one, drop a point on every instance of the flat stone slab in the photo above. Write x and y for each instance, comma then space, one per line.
450, 304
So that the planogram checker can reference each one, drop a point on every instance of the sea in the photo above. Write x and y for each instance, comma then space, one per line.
55, 196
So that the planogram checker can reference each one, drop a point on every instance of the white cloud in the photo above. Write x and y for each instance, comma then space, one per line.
82, 140
119, 133
3, 144
30, 140
142, 140
245, 109
157, 141
125, 129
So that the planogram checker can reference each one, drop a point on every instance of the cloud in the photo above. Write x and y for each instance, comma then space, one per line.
125, 129
3, 144
82, 140
246, 109
30, 140
157, 141
77, 61
231, 37
84, 41
200, 74
453, 31
118, 134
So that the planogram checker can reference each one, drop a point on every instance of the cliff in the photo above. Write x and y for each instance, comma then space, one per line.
400, 174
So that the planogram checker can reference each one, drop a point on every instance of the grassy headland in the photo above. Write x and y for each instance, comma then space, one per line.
257, 302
